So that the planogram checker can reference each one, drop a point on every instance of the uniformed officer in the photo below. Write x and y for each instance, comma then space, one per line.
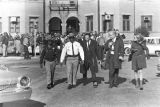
49, 54
71, 51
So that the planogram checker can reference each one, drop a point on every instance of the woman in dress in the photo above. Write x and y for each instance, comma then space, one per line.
138, 48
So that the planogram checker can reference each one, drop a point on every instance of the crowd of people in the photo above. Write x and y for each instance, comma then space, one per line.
87, 51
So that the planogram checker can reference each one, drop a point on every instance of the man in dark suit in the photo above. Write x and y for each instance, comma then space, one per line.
115, 48
90, 58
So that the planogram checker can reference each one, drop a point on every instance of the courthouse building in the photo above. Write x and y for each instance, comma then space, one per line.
79, 15
102, 15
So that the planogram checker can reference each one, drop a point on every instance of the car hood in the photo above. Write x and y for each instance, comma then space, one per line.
7, 77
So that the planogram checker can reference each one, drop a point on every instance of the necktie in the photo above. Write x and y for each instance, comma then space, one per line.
72, 49
88, 45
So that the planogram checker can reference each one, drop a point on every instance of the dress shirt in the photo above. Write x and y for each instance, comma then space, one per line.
67, 50
112, 47
88, 43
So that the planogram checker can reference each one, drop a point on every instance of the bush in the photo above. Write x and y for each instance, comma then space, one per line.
143, 31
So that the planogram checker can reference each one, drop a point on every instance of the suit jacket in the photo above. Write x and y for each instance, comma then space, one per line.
118, 51
90, 55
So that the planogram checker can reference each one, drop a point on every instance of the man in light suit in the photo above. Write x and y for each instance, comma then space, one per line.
115, 48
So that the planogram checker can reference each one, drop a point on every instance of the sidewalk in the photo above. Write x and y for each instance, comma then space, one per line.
12, 60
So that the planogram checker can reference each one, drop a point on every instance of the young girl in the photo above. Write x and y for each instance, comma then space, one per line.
138, 48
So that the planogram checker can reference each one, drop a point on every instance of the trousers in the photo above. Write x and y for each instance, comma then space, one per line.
113, 72
50, 69
4, 50
72, 68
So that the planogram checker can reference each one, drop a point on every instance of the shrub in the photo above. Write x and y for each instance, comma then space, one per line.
143, 31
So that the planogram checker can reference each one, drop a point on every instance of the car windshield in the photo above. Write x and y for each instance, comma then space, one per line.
153, 41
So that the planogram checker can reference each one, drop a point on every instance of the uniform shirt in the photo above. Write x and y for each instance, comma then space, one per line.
67, 50
49, 54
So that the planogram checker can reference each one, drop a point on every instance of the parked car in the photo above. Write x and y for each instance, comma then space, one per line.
153, 44
127, 47
13, 86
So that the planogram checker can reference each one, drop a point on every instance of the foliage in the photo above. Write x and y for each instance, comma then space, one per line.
143, 31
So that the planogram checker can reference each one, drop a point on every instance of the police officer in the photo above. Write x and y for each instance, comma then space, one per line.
49, 54
71, 51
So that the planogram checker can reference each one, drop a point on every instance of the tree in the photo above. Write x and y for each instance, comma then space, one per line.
143, 31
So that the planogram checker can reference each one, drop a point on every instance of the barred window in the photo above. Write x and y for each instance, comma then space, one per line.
33, 24
14, 24
89, 23
146, 21
107, 22
126, 23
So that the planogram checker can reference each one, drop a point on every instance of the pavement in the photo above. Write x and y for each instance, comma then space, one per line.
126, 95
14, 60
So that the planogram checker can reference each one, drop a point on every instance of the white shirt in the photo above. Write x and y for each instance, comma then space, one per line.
67, 50
112, 52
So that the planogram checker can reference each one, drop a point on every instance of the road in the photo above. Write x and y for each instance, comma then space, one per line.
86, 96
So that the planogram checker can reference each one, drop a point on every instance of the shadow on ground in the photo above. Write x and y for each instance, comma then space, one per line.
120, 80
133, 81
158, 74
59, 81
89, 80
23, 103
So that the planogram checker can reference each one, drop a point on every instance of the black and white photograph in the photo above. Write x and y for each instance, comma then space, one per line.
79, 53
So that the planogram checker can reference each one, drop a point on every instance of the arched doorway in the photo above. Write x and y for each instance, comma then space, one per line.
72, 25
55, 25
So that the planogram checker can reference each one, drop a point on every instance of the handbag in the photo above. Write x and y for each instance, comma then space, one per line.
130, 56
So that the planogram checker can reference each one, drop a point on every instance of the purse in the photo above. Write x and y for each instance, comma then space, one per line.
130, 57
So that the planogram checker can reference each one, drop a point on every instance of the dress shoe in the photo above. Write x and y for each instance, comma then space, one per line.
69, 86
95, 84
49, 86
115, 85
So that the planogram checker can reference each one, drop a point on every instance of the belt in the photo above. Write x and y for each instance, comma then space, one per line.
72, 55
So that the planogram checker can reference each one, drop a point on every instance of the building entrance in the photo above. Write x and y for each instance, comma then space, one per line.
55, 25
72, 25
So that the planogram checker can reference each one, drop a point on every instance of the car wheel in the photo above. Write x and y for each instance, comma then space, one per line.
127, 51
158, 54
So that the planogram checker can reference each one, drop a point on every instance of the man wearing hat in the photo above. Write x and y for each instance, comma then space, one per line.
71, 51
49, 54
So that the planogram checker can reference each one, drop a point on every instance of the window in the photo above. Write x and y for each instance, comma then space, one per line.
14, 24
146, 21
0, 25
89, 23
107, 22
126, 23
33, 24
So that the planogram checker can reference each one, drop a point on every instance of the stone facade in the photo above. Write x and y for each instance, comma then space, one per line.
24, 9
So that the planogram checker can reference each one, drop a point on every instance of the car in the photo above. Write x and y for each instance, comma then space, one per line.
153, 44
13, 86
127, 47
